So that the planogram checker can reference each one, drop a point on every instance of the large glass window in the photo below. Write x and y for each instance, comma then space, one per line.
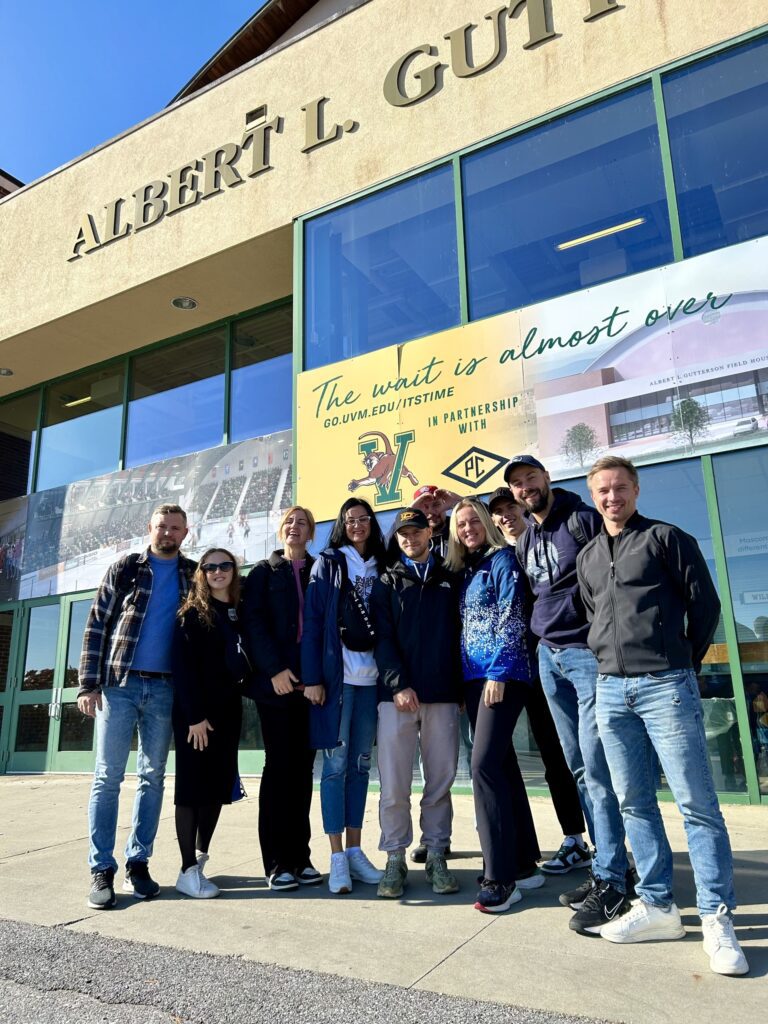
742, 495
381, 270
577, 201
717, 111
674, 493
40, 658
18, 424
262, 375
81, 427
177, 400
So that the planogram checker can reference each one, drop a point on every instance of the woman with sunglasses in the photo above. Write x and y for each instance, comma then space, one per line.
497, 672
273, 613
340, 683
208, 666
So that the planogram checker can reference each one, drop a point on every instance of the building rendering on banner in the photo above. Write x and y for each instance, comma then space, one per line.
374, 244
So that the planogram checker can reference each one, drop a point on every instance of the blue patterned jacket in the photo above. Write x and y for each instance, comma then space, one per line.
494, 629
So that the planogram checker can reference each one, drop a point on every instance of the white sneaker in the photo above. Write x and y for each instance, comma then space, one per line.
206, 883
339, 878
533, 881
645, 923
721, 945
361, 868
192, 883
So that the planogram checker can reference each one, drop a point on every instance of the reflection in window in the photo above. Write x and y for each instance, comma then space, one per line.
674, 493
18, 424
250, 731
75, 729
742, 489
262, 375
42, 637
81, 428
573, 203
717, 111
381, 270
177, 400
77, 619
32, 729
6, 632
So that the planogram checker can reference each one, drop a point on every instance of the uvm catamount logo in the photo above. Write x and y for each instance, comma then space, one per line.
384, 468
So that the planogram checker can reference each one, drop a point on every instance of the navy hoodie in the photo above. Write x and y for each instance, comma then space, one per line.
547, 553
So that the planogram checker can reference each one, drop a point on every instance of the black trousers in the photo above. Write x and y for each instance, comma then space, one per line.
504, 820
562, 785
285, 794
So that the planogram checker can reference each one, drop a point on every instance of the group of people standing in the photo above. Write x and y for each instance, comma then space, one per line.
592, 620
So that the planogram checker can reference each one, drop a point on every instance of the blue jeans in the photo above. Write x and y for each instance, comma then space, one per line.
344, 782
145, 703
568, 678
662, 712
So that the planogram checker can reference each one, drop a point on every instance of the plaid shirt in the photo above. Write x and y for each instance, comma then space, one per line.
115, 620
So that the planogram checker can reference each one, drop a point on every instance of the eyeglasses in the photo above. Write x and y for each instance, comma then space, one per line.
360, 521
215, 566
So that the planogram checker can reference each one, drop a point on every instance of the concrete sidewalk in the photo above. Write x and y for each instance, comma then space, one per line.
527, 957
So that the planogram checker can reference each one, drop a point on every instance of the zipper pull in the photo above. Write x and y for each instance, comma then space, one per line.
613, 571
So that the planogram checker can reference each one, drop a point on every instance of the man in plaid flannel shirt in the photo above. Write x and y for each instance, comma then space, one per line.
126, 684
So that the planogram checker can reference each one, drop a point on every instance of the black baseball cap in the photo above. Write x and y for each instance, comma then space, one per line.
411, 517
500, 494
521, 460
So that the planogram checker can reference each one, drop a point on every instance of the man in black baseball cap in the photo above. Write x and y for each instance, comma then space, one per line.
560, 524
415, 609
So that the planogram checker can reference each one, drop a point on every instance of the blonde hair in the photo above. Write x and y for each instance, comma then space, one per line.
612, 462
199, 596
457, 550
288, 513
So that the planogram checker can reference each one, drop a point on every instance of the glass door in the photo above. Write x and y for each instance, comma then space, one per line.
9, 635
71, 739
32, 687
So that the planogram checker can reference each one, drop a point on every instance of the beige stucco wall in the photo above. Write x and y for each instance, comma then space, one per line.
233, 250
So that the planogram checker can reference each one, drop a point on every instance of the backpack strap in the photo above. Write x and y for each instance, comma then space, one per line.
576, 529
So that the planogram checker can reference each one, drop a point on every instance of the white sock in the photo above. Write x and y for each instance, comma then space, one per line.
352, 849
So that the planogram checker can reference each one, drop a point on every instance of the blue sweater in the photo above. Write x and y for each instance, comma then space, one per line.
494, 635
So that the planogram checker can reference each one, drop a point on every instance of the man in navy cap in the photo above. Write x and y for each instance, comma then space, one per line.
415, 609
560, 524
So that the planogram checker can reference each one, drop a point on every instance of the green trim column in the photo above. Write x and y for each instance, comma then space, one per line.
667, 168
228, 343
124, 419
38, 441
461, 247
731, 636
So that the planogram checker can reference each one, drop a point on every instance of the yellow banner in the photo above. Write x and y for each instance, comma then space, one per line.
440, 410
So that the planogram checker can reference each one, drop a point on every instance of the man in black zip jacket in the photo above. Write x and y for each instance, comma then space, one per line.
559, 525
415, 610
653, 610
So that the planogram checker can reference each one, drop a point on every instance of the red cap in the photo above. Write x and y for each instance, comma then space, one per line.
426, 491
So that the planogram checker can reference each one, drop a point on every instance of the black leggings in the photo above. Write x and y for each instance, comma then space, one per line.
504, 820
194, 830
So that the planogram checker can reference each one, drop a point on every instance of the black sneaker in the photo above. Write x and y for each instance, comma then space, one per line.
574, 898
308, 875
281, 880
102, 894
572, 854
138, 881
602, 905
496, 897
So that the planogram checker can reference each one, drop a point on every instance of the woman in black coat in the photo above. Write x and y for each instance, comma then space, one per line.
208, 666
273, 604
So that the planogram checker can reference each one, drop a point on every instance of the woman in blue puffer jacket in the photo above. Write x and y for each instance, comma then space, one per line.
497, 673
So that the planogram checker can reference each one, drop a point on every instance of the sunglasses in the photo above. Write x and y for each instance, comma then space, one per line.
215, 566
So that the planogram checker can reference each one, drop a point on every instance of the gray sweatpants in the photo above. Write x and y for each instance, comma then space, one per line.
436, 728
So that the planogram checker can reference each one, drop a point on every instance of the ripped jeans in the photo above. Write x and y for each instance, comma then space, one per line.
344, 782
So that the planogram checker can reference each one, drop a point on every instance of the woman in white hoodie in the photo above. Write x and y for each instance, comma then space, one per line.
339, 674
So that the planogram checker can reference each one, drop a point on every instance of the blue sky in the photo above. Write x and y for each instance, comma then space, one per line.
74, 73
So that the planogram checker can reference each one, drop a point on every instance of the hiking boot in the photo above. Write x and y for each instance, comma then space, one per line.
496, 897
443, 881
138, 881
601, 906
645, 923
572, 854
339, 879
395, 874
102, 894
721, 945
420, 853
361, 868
574, 898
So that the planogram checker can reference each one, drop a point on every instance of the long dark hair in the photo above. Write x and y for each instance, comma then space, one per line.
199, 596
374, 546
